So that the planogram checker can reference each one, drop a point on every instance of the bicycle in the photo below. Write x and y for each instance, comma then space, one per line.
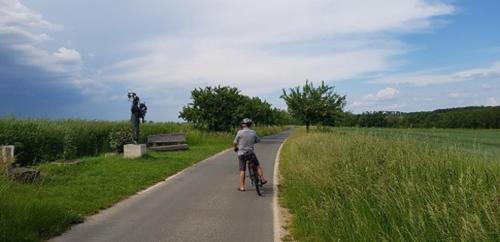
255, 180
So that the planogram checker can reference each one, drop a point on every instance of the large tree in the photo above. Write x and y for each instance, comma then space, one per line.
313, 105
213, 108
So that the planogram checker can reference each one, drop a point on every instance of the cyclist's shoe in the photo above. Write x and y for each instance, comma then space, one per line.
262, 182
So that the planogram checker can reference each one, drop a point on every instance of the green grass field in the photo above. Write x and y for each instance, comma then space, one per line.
67, 192
478, 141
352, 184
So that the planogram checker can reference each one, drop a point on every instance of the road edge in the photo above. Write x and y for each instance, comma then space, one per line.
276, 206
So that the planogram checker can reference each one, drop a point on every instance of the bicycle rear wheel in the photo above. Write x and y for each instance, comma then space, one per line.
258, 185
254, 178
256, 181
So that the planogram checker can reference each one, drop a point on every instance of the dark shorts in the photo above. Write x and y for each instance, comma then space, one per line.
245, 157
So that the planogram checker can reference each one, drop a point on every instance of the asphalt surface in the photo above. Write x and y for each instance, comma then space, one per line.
199, 204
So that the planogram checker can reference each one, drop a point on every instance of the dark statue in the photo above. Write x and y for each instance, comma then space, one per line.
138, 113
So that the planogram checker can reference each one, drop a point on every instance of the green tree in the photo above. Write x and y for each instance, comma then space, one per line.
213, 108
281, 117
256, 109
312, 105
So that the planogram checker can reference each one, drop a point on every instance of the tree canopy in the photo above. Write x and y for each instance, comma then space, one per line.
314, 105
221, 108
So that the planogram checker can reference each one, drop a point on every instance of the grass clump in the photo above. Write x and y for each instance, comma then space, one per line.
353, 186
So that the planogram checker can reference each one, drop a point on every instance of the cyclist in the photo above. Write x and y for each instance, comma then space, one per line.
244, 145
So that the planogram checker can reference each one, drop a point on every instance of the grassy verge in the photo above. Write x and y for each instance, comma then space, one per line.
353, 186
67, 192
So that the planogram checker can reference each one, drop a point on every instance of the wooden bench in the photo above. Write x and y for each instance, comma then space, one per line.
167, 142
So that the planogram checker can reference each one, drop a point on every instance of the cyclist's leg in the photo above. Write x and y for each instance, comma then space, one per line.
242, 172
242, 180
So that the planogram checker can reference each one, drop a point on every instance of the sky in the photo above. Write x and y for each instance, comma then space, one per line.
78, 59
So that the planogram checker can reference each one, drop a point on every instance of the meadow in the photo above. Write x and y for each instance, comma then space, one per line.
70, 190
351, 184
478, 141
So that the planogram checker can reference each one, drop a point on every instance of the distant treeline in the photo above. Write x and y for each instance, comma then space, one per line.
464, 117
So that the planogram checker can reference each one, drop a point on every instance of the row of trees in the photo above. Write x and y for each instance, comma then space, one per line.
465, 117
221, 108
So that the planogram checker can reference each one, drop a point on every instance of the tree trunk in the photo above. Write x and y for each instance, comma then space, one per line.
307, 127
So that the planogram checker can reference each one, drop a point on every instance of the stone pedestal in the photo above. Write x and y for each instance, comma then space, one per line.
6, 157
7, 154
132, 151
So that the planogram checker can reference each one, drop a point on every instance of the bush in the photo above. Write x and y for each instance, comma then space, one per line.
70, 148
119, 137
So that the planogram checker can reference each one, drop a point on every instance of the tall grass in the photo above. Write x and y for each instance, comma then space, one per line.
30, 219
352, 186
48, 140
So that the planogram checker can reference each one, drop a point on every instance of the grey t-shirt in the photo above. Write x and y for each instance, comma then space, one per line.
246, 139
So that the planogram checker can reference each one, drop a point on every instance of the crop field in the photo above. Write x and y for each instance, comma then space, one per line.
478, 141
70, 190
349, 184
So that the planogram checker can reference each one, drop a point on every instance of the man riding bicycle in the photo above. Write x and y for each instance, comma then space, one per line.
244, 145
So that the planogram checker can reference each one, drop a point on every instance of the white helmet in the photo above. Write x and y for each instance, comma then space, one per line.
246, 121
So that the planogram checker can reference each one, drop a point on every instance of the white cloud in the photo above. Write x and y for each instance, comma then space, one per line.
244, 68
384, 94
492, 101
431, 78
387, 93
66, 55
19, 23
458, 94
22, 33
261, 47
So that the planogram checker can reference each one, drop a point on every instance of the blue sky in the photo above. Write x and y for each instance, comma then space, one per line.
77, 59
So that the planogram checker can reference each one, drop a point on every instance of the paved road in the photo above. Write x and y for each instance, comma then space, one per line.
199, 204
